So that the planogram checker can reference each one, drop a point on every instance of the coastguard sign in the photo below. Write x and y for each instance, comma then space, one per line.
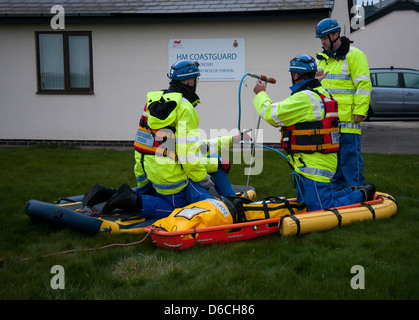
221, 59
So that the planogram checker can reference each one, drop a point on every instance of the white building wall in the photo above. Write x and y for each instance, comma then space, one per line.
128, 61
341, 15
392, 40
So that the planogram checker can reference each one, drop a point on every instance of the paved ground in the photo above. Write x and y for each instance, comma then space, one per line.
390, 137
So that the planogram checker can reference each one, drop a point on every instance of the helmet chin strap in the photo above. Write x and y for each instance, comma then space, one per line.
332, 42
194, 86
294, 81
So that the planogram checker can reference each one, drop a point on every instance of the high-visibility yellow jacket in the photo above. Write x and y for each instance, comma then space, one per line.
303, 106
168, 175
348, 81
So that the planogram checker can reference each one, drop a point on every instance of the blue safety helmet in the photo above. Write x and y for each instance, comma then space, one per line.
184, 69
303, 63
327, 26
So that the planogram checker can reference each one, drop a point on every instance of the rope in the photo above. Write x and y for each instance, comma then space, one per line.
240, 102
94, 249
296, 183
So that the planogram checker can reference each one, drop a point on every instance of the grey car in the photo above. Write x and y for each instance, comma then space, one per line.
395, 94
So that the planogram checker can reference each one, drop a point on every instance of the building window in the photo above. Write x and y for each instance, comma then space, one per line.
64, 61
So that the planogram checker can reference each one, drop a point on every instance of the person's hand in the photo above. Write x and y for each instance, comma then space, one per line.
242, 136
207, 183
259, 86
320, 74
358, 118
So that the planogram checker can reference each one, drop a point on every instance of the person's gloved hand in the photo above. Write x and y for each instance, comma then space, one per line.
224, 165
204, 147
207, 183
242, 136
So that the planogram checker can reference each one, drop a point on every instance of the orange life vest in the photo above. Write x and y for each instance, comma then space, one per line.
159, 142
316, 136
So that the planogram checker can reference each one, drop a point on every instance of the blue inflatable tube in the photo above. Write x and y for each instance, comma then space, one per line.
62, 217
68, 212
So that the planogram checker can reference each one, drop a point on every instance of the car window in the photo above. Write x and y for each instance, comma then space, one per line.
411, 80
387, 79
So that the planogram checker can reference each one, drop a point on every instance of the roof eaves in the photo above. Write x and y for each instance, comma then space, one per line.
184, 16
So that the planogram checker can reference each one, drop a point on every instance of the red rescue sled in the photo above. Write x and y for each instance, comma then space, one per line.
383, 206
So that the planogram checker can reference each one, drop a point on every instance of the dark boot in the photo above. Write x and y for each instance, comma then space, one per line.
368, 192
125, 198
97, 194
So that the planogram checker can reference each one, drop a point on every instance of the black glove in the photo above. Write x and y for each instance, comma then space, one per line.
207, 183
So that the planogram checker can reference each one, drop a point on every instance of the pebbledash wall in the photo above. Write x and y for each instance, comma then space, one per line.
130, 59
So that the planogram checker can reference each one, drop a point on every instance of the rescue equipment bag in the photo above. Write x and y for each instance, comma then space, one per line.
271, 207
160, 142
201, 214
316, 136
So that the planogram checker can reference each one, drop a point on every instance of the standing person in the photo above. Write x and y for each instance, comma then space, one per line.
309, 125
344, 72
170, 169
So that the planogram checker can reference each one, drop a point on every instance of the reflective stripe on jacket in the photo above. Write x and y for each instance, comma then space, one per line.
349, 82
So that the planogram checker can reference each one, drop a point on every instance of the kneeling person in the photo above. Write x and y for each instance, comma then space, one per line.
309, 124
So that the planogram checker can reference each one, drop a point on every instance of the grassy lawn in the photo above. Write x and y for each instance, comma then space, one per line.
313, 266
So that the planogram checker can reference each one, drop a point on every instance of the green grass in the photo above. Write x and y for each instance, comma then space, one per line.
313, 266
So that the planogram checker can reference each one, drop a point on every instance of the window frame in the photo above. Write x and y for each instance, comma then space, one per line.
373, 77
67, 89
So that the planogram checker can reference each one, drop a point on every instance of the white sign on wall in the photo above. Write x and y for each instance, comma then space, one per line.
221, 59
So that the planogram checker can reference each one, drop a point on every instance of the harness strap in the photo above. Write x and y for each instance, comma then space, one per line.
283, 204
194, 234
370, 208
142, 162
289, 207
293, 217
312, 132
265, 209
65, 199
319, 147
338, 215
389, 198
